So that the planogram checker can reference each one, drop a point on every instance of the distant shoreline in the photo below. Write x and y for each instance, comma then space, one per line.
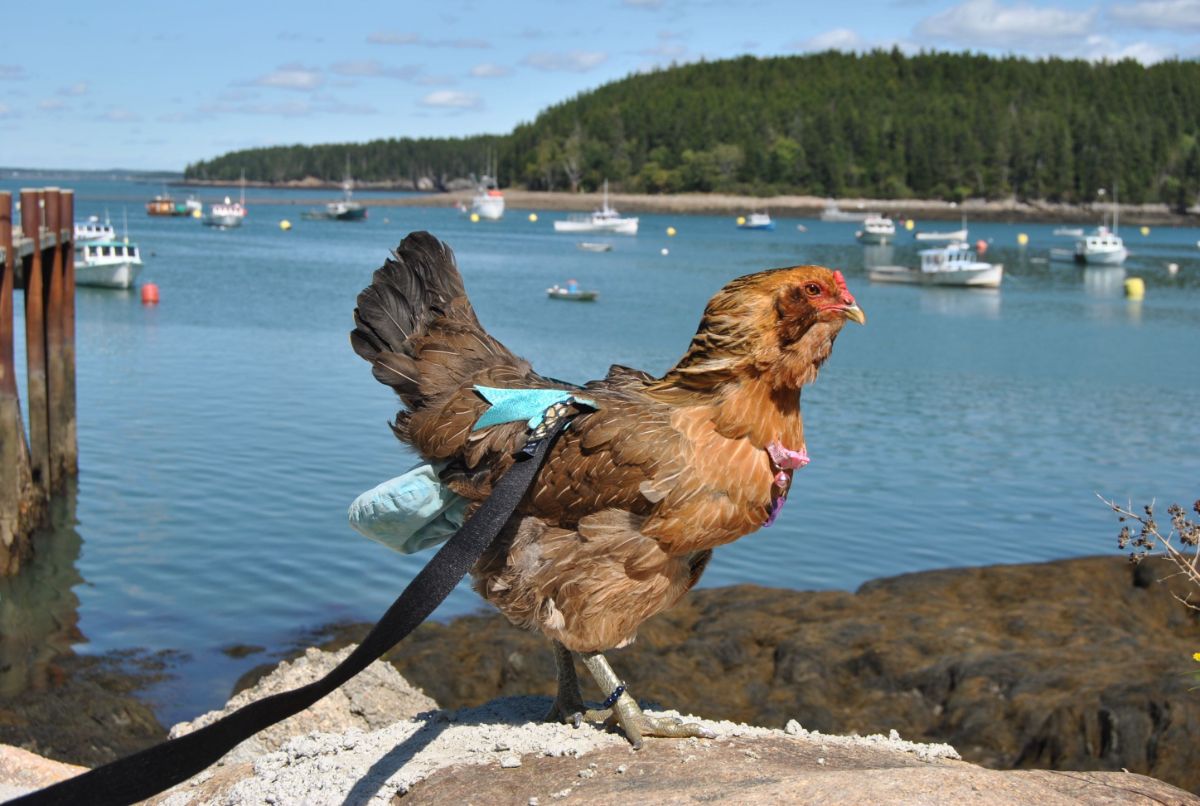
1009, 210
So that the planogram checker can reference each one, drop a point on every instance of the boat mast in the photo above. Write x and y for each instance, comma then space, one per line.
1116, 209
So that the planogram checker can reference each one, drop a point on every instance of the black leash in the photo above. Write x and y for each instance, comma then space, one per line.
157, 768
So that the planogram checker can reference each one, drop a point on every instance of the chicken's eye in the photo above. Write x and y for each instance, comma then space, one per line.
812, 289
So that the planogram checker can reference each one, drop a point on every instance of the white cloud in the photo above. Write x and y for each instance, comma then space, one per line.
1162, 14
51, 105
1099, 48
575, 61
452, 99
488, 70
119, 115
291, 77
392, 38
6, 112
836, 39
370, 68
986, 23
11, 72
462, 44
75, 90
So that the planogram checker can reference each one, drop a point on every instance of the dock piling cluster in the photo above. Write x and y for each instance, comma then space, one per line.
40, 259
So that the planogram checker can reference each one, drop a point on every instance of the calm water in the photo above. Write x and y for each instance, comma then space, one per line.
223, 433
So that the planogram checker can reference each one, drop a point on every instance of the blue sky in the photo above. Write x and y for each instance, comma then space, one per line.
155, 85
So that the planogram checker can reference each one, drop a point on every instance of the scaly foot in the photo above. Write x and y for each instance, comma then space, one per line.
626, 713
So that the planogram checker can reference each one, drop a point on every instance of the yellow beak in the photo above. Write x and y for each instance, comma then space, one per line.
855, 314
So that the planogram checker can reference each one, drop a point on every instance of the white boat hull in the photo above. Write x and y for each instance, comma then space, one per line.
960, 235
989, 277
624, 226
489, 207
223, 221
1114, 257
108, 275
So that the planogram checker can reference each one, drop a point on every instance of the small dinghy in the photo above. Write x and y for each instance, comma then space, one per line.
571, 294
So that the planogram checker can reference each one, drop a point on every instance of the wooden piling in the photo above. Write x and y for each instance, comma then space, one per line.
69, 440
35, 341
17, 497
56, 381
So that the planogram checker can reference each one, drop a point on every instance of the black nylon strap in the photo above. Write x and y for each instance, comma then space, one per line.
154, 769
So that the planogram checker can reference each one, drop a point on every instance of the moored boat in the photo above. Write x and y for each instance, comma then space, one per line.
606, 219
571, 295
108, 264
834, 213
934, 235
164, 205
594, 246
756, 221
488, 201
876, 229
344, 209
93, 230
1102, 247
953, 265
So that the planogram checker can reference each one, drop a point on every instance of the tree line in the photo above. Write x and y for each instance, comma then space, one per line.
881, 124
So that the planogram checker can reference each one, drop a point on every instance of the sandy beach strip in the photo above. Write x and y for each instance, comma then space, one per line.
1007, 210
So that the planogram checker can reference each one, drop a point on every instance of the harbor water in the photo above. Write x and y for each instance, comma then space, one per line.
224, 432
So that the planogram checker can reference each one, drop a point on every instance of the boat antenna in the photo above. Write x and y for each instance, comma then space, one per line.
125, 215
1116, 210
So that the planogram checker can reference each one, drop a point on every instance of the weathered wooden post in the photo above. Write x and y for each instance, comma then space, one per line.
35, 342
56, 380
69, 441
15, 481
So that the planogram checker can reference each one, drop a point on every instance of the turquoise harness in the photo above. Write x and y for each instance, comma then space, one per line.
415, 510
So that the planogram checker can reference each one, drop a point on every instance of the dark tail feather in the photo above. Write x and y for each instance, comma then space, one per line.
409, 292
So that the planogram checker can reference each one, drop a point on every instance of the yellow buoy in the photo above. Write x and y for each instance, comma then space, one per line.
533, 218
474, 218
197, 214
285, 225
1135, 288
908, 225
741, 220
1022, 239
1145, 231
670, 232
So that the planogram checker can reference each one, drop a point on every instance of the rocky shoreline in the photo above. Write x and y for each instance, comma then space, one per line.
1072, 665
1007, 210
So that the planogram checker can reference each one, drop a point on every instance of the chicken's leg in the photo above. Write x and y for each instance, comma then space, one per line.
568, 704
625, 709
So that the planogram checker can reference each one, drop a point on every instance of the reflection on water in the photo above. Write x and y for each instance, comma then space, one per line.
983, 303
1104, 281
878, 255
39, 611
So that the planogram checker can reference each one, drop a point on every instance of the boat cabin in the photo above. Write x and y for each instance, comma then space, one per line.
110, 251
955, 257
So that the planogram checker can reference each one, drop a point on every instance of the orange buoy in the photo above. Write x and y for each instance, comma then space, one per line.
981, 246
149, 294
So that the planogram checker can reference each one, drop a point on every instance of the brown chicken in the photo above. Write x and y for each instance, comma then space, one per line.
636, 494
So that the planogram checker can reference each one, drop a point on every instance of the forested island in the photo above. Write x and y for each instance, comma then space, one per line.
881, 125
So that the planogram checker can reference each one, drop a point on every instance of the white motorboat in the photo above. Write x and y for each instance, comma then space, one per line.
344, 209
594, 246
953, 265
228, 214
1102, 247
93, 230
108, 264
606, 220
953, 237
876, 229
488, 201
759, 221
834, 213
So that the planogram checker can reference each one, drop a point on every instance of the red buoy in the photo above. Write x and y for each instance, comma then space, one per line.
149, 294
981, 246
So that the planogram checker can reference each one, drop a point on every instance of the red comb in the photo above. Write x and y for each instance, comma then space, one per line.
841, 284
